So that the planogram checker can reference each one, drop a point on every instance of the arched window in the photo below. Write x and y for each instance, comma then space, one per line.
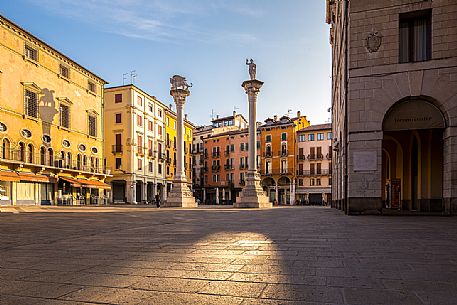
30, 153
69, 160
21, 152
84, 162
6, 149
51, 157
96, 165
78, 161
42, 155
62, 159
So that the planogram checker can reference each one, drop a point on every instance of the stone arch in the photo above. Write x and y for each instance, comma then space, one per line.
411, 128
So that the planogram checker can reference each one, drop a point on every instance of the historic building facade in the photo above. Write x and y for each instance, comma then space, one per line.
51, 132
277, 148
314, 165
393, 106
135, 144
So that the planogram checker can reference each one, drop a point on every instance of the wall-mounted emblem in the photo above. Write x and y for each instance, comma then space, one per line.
373, 42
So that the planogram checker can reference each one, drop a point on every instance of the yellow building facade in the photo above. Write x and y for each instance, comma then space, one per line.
170, 143
134, 144
51, 132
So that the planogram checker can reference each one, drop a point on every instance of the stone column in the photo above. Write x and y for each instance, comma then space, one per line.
204, 195
277, 193
180, 195
217, 195
252, 195
145, 191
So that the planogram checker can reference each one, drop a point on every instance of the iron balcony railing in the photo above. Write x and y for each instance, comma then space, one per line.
116, 149
52, 161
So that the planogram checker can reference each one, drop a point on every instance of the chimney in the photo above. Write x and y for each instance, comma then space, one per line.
298, 113
185, 117
275, 118
234, 113
170, 106
217, 116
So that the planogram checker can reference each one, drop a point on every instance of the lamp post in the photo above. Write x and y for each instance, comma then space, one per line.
252, 195
180, 195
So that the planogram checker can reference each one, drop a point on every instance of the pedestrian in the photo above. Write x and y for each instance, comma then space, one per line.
158, 200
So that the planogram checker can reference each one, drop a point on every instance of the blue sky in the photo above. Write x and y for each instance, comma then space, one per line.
206, 41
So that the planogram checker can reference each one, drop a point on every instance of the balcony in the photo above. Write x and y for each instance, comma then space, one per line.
243, 166
283, 153
227, 152
328, 156
140, 150
51, 162
268, 154
301, 157
116, 149
216, 154
314, 173
205, 155
315, 157
168, 160
162, 156
151, 154
228, 167
276, 172
242, 182
216, 168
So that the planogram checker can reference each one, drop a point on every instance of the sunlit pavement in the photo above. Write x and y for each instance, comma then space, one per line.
295, 255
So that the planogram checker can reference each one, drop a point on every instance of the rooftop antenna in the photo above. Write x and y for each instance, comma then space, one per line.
133, 75
124, 78
289, 112
212, 114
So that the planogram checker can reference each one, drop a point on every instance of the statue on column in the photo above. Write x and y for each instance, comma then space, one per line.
252, 68
179, 82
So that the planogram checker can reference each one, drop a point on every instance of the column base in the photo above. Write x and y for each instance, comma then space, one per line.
252, 195
180, 196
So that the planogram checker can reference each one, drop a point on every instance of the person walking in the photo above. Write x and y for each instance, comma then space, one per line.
158, 200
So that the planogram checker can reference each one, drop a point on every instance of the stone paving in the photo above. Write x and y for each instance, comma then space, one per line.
294, 255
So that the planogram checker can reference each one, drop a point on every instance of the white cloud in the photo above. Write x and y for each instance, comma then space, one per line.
165, 20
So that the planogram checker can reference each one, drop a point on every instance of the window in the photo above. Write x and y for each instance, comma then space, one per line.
31, 53
140, 164
268, 138
300, 182
311, 182
311, 137
26, 133
31, 104
283, 136
92, 125
329, 136
150, 107
320, 136
140, 143
150, 167
242, 146
64, 71
139, 120
118, 98
150, 125
247, 146
330, 181
318, 181
82, 147
159, 169
301, 138
118, 118
64, 115
91, 86
139, 100
160, 113
415, 36
46, 138
66, 143
159, 130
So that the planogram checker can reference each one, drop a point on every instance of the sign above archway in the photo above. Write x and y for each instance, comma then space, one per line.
413, 114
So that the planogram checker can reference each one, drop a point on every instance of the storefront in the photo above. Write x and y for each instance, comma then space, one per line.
6, 186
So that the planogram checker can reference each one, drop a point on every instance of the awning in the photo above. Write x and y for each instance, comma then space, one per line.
31, 177
9, 176
94, 184
73, 182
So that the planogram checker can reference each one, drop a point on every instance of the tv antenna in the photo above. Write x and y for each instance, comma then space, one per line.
133, 75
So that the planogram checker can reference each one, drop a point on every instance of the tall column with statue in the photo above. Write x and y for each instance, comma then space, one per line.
180, 194
252, 195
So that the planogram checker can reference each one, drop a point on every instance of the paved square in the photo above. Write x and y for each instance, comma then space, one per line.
295, 255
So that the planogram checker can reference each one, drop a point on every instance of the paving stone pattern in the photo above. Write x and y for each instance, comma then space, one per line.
294, 255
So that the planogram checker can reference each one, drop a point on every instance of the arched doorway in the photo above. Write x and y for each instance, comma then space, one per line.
284, 186
269, 186
412, 156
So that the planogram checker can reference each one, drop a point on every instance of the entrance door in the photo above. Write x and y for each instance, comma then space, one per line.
139, 191
315, 199
118, 191
414, 174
